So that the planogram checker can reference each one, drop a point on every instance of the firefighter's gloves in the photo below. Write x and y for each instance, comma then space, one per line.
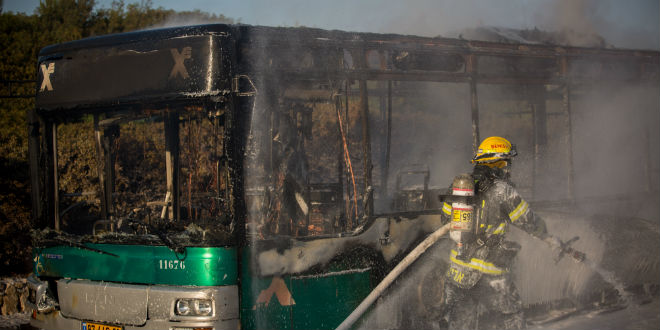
554, 242
557, 247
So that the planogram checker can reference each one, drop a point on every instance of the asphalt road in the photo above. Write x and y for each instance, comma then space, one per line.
634, 317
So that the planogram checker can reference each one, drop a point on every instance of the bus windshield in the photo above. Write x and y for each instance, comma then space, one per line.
153, 176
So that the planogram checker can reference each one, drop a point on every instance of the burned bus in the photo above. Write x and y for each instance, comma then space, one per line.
233, 176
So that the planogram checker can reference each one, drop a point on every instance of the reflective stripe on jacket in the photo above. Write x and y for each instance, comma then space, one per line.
478, 264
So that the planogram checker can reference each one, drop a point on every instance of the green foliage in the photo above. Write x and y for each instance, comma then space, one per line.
140, 161
76, 161
54, 21
64, 20
18, 63
14, 217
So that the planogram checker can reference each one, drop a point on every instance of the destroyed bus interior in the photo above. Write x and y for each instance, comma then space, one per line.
140, 176
303, 165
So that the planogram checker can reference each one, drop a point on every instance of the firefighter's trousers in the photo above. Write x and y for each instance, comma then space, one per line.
493, 303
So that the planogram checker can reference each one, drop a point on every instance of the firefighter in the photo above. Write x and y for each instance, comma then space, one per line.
479, 265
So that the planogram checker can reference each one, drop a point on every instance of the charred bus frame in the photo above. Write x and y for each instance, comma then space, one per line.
237, 69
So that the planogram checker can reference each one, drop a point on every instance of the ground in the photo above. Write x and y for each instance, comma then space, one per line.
14, 322
634, 317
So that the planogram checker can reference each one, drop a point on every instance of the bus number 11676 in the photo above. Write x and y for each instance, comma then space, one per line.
171, 264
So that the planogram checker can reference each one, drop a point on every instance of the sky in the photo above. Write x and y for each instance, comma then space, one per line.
623, 24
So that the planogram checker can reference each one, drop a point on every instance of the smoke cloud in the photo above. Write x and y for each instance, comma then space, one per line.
601, 152
581, 19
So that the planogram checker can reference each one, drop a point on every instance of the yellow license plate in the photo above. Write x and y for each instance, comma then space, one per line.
99, 326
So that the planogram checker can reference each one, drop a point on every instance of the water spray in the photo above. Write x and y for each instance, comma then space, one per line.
580, 257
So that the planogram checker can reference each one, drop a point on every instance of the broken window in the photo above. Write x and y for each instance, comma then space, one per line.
145, 173
78, 181
204, 168
137, 152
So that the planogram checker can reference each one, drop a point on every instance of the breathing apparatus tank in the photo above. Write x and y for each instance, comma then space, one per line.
462, 215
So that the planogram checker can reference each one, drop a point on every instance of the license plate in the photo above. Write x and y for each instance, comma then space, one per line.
99, 326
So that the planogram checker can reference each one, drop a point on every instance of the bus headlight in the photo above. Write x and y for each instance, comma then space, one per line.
183, 307
193, 307
204, 307
39, 297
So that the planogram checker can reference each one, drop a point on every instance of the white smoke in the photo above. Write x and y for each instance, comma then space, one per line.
579, 21
191, 18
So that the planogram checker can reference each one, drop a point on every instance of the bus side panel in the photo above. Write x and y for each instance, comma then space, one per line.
324, 301
139, 264
318, 301
265, 303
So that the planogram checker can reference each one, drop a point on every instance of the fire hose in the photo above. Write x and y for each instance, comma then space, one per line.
385, 283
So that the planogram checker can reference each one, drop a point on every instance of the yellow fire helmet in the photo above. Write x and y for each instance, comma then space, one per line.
493, 151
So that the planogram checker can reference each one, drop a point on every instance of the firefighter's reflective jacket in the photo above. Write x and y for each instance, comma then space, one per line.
498, 206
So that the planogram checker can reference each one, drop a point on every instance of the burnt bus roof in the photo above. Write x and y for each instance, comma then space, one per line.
199, 62
152, 65
135, 36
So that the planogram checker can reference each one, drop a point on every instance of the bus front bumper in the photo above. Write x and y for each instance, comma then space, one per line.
54, 320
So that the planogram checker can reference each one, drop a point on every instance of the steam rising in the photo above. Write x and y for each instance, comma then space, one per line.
593, 159
579, 22
616, 140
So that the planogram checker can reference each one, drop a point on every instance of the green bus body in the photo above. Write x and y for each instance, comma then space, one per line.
139, 264
318, 301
